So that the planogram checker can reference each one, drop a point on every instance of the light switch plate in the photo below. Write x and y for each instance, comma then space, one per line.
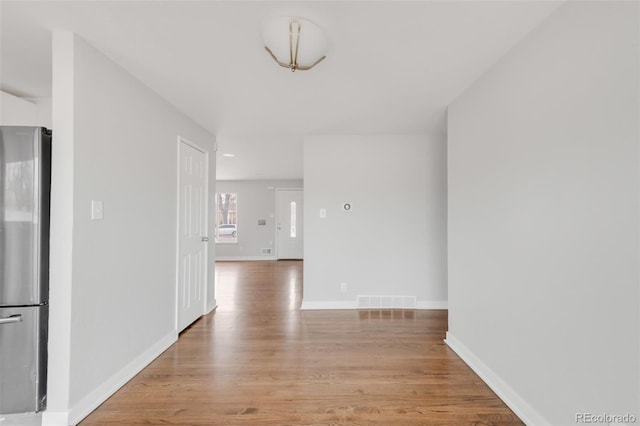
323, 213
97, 210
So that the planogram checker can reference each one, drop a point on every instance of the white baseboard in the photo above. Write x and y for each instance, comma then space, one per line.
517, 404
90, 402
211, 305
342, 304
332, 304
243, 258
426, 304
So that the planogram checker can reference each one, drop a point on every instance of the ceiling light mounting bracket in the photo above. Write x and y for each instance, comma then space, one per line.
295, 30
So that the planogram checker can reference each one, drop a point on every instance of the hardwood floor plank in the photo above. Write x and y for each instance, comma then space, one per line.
259, 360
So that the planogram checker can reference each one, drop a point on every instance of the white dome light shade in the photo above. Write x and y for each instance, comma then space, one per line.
294, 43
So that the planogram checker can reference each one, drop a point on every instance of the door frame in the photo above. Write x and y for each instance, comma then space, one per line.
278, 190
182, 140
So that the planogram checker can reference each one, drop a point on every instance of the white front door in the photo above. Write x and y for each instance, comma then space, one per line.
290, 223
192, 234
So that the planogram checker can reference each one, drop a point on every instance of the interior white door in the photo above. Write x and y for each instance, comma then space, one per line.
290, 224
192, 234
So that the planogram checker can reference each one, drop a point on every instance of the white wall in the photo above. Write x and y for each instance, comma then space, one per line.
43, 111
393, 241
113, 281
61, 238
543, 218
15, 111
255, 201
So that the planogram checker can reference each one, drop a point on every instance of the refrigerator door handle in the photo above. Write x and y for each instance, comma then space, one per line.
10, 319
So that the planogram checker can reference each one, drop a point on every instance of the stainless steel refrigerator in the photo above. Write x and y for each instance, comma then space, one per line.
25, 175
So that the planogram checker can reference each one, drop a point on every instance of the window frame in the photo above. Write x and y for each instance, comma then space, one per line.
217, 218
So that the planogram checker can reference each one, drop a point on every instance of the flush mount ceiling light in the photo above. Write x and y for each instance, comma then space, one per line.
294, 43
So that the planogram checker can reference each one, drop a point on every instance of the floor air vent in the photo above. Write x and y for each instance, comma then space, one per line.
386, 302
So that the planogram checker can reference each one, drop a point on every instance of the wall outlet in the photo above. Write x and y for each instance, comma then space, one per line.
343, 287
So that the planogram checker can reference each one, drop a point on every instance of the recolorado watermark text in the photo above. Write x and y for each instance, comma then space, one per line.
605, 418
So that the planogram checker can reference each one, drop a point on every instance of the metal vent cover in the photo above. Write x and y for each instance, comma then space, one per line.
387, 302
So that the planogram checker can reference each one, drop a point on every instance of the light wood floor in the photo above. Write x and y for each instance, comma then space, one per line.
259, 360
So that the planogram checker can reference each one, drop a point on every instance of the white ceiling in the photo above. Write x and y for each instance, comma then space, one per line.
392, 67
